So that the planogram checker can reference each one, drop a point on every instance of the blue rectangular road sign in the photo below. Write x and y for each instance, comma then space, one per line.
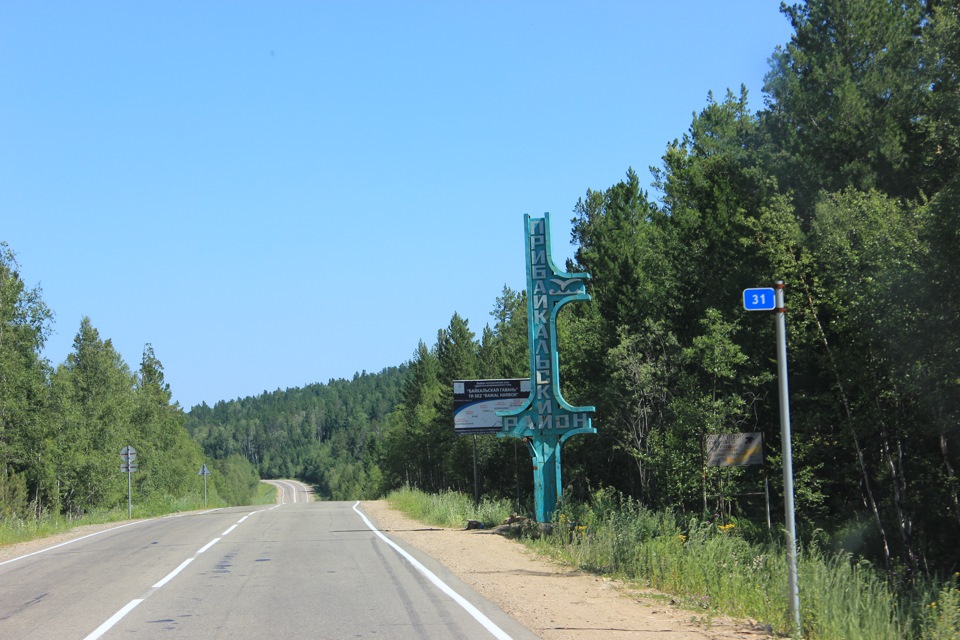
759, 299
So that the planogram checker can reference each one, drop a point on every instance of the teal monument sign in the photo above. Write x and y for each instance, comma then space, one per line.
546, 420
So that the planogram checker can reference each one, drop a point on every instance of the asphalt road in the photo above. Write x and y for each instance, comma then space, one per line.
291, 491
299, 569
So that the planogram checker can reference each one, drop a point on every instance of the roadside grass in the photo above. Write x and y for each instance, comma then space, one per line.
14, 530
266, 494
448, 509
713, 569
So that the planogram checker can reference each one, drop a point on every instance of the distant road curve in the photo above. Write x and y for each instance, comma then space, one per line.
292, 491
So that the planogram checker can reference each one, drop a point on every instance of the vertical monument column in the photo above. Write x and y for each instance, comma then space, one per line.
546, 420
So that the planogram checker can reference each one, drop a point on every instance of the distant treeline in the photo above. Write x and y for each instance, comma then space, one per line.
327, 434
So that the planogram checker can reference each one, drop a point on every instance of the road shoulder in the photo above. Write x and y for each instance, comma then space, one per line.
556, 602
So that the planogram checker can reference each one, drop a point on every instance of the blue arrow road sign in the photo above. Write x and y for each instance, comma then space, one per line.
761, 299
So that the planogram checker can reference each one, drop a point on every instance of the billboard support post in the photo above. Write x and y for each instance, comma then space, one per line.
476, 475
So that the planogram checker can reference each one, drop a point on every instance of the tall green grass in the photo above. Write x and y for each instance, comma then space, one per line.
14, 530
941, 614
448, 509
711, 567
266, 494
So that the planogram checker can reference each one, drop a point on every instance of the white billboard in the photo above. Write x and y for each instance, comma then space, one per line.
476, 403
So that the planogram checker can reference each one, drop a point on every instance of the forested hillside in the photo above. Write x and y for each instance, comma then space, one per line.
328, 434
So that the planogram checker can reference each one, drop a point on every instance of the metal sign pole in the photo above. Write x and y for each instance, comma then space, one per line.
765, 299
476, 475
766, 492
129, 456
204, 472
788, 507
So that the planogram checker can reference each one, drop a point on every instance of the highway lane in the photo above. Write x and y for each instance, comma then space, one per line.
70, 590
294, 570
292, 491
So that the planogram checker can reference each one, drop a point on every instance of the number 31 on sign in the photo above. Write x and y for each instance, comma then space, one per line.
759, 299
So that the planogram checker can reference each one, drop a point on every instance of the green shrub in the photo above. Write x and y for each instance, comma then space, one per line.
941, 616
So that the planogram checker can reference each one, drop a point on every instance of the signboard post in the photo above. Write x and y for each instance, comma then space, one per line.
475, 407
204, 472
545, 421
128, 465
738, 450
753, 300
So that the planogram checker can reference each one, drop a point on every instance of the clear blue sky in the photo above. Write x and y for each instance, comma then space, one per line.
274, 194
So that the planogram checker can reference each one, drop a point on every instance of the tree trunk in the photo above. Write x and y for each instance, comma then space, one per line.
952, 478
899, 488
849, 414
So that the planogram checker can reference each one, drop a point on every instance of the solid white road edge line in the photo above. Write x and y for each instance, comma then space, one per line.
63, 544
97, 533
293, 490
440, 584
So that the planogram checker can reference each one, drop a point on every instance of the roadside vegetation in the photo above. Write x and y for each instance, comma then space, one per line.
449, 508
718, 567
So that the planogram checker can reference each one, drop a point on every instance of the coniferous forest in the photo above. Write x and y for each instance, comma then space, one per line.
843, 181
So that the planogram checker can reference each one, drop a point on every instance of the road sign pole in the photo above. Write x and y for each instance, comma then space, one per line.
129, 456
788, 506
204, 472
